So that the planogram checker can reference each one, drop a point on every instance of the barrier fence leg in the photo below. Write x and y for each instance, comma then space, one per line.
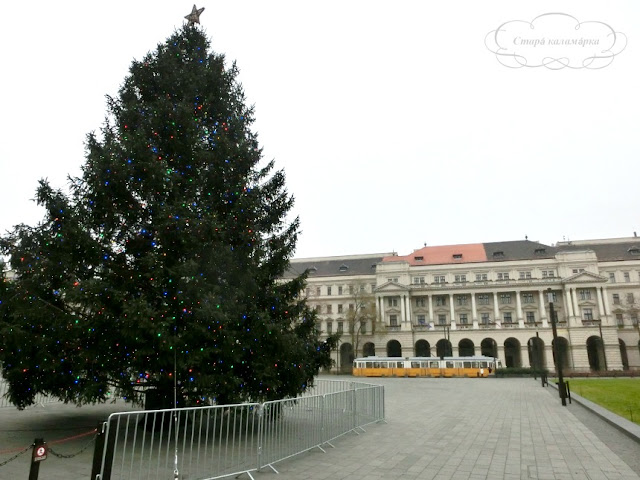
112, 432
98, 451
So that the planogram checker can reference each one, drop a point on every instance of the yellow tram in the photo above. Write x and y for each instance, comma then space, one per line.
425, 366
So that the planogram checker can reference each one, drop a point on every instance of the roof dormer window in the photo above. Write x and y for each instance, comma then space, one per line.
343, 268
418, 258
457, 256
540, 251
498, 254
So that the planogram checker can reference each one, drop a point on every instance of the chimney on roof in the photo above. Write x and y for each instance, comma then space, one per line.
635, 234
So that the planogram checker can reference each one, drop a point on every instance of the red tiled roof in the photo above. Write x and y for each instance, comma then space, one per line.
442, 255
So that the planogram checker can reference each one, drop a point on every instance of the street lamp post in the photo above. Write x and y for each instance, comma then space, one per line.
604, 351
556, 350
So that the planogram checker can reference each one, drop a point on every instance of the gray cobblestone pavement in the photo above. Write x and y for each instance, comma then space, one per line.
437, 429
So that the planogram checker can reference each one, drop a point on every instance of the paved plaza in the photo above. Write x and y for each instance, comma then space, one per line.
437, 429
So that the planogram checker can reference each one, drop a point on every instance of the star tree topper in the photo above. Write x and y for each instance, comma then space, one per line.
194, 16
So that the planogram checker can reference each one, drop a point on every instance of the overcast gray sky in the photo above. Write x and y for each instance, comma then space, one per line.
394, 122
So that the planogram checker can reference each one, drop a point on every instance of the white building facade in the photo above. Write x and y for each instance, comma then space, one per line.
486, 299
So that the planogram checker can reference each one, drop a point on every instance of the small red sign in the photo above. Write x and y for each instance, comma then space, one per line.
40, 454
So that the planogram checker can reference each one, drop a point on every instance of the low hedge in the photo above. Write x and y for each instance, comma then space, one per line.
520, 372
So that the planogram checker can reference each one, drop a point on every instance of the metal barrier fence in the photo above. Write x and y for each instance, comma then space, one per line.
208, 443
40, 399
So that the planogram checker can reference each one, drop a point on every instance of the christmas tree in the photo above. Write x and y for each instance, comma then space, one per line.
160, 270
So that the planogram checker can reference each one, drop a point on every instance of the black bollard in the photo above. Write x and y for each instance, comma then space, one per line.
38, 455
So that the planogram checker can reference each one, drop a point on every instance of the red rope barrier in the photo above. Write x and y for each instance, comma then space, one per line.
62, 440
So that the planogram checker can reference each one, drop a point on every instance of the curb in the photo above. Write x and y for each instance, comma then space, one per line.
632, 430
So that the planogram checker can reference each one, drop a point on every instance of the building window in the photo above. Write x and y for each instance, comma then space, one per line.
442, 319
627, 277
392, 280
507, 317
329, 309
329, 328
484, 318
616, 299
554, 297
362, 286
418, 280
612, 277
363, 328
420, 302
340, 327
527, 298
483, 299
393, 302
634, 320
351, 307
619, 320
418, 258
373, 287
457, 256
498, 254
505, 298
463, 319
540, 251
441, 301
531, 317
393, 320
503, 275
548, 274
317, 308
318, 292
350, 289
462, 300
422, 320
588, 314
578, 270
328, 290
461, 278
480, 277
438, 279
585, 294
339, 308
525, 275
630, 299
339, 290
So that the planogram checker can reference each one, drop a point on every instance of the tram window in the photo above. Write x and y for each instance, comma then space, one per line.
424, 364
458, 364
369, 364
415, 364
449, 364
475, 364
400, 365
467, 364
376, 364
483, 364
433, 364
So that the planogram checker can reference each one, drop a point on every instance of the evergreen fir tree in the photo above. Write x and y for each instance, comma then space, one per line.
162, 265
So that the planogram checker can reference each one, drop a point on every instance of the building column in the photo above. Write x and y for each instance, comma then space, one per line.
496, 312
403, 312
474, 311
519, 310
600, 304
568, 303
408, 299
452, 310
607, 305
381, 309
542, 310
574, 298
430, 300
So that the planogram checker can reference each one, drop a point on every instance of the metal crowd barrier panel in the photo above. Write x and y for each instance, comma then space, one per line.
208, 443
202, 442
40, 399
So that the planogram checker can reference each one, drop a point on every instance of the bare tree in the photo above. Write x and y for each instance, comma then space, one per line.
360, 315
